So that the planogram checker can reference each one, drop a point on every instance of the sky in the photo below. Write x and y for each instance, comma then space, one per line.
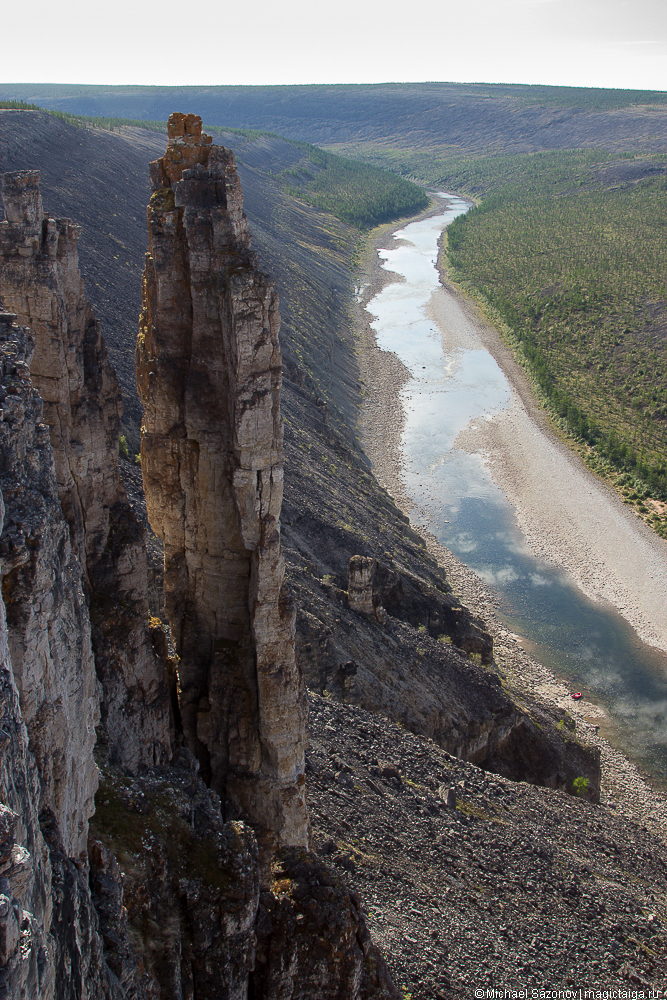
592, 43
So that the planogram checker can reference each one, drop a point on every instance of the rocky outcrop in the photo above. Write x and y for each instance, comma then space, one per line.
312, 938
40, 281
47, 620
404, 661
413, 600
375, 588
50, 706
209, 375
206, 921
25, 902
190, 886
360, 584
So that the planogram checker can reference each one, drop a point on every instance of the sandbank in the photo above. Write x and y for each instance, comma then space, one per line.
568, 516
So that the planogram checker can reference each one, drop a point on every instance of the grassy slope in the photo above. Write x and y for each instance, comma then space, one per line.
358, 193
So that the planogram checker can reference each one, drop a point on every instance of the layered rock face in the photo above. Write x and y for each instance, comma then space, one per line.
209, 375
48, 626
40, 281
49, 946
25, 873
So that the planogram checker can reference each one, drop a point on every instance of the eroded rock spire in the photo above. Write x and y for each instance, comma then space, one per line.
209, 375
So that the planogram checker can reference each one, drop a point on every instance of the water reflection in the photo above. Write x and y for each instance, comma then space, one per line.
587, 643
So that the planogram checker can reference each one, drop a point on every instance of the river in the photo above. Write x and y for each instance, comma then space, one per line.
455, 386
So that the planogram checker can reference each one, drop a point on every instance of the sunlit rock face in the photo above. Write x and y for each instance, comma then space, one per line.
40, 281
209, 374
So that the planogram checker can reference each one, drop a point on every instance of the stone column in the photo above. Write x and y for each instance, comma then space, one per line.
209, 374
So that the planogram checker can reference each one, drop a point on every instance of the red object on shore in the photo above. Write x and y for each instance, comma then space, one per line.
577, 696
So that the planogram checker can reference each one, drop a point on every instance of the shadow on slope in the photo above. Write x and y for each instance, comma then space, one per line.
334, 508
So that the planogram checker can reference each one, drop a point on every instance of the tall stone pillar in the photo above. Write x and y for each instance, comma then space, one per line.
209, 374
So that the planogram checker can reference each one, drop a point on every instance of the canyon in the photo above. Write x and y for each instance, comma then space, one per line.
67, 913
204, 874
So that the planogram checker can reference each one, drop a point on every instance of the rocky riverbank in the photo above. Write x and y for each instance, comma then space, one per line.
381, 424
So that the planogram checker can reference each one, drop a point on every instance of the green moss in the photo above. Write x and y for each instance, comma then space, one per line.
470, 810
162, 200
128, 829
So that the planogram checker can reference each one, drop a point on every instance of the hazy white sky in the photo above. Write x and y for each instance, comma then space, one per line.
603, 43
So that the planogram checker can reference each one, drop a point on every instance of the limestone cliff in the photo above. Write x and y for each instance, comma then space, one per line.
187, 916
50, 706
40, 281
209, 375
47, 619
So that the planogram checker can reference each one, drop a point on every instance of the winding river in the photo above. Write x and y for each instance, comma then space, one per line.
455, 383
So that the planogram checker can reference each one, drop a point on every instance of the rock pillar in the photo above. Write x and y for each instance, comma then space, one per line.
361, 571
209, 375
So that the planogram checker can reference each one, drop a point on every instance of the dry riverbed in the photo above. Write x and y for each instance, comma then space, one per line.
568, 516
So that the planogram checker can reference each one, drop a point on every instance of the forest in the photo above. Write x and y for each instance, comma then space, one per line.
357, 193
568, 249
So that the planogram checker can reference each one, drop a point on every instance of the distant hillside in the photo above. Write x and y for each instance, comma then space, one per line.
309, 252
354, 191
465, 117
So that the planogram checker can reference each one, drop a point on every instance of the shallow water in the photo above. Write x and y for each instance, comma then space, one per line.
588, 644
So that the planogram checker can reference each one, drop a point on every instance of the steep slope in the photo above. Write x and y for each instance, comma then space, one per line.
474, 882
64, 927
333, 507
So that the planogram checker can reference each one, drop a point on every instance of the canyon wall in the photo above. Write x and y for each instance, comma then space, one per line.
40, 282
209, 376
208, 905
49, 699
47, 619
75, 643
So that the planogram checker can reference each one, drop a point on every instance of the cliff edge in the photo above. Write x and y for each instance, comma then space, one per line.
40, 281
